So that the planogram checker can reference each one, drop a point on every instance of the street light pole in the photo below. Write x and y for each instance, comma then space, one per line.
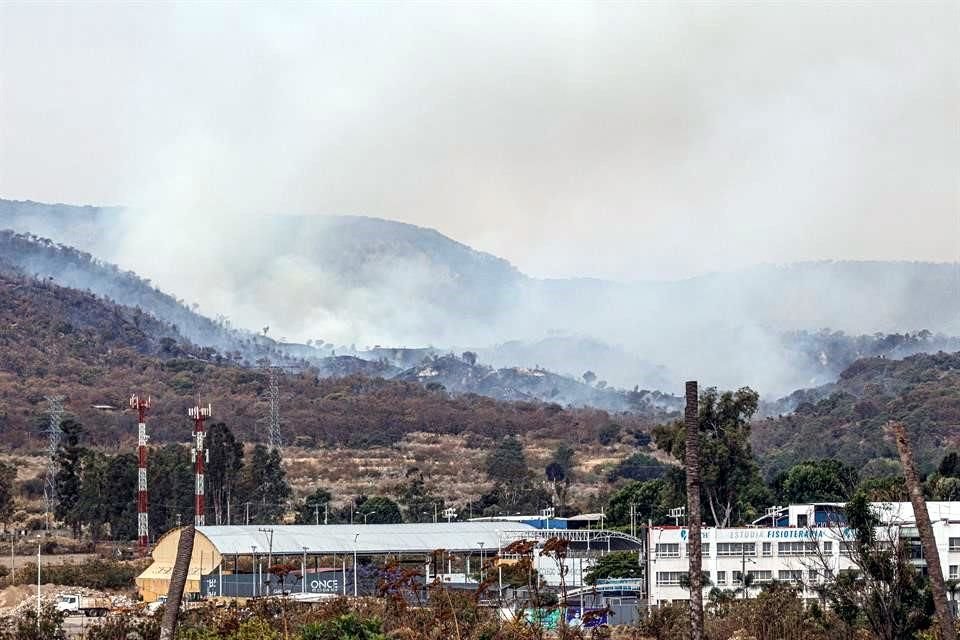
303, 570
481, 560
253, 570
355, 539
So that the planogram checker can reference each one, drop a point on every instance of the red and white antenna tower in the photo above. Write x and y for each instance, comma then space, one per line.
200, 456
143, 529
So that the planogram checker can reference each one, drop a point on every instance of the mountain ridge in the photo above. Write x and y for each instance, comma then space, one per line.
355, 279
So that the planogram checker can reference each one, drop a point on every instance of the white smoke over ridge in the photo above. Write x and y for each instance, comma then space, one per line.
646, 142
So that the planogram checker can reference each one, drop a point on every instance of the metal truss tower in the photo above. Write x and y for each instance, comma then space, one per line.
53, 444
200, 456
143, 528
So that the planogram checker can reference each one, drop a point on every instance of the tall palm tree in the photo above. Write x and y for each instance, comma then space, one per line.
178, 581
925, 529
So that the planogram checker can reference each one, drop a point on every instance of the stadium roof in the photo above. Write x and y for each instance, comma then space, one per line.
366, 539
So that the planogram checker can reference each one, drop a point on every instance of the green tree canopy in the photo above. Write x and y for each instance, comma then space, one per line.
380, 510
731, 479
619, 564
171, 483
266, 486
507, 463
8, 478
648, 498
817, 481
419, 504
121, 482
639, 466
314, 506
69, 459
224, 471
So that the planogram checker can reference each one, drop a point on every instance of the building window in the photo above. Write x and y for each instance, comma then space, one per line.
797, 548
790, 575
668, 550
846, 549
736, 549
670, 578
721, 577
802, 520
704, 549
955, 545
767, 552
828, 547
954, 572
761, 577
813, 576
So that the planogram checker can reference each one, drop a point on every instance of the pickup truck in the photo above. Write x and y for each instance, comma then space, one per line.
82, 605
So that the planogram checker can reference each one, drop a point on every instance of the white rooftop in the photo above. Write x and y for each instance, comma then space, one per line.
366, 539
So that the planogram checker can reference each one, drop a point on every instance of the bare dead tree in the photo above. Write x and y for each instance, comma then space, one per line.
695, 561
178, 581
925, 529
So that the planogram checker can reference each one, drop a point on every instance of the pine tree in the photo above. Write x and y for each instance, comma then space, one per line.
171, 482
316, 508
223, 473
120, 481
8, 477
68, 478
420, 504
266, 485
91, 507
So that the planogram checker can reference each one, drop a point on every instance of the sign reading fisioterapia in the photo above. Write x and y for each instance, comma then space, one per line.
723, 535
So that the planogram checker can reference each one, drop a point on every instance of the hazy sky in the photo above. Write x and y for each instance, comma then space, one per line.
570, 138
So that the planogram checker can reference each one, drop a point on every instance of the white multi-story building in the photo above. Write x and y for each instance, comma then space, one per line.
800, 544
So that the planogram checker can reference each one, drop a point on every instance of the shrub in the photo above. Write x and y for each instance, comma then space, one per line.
344, 627
92, 574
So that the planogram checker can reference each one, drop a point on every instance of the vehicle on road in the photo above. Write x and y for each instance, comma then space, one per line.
82, 605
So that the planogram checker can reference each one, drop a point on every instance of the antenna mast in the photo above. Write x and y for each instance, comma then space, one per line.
143, 529
53, 444
200, 456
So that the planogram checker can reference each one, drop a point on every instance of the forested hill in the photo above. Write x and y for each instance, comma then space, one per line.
56, 340
70, 267
350, 280
848, 419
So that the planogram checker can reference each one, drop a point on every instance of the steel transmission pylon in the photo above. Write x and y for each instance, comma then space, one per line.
273, 419
54, 432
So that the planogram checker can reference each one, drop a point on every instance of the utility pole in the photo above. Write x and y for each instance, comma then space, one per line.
53, 445
143, 528
268, 532
200, 456
925, 529
694, 559
38, 582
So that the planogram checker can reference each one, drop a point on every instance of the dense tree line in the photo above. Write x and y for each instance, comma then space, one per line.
96, 492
